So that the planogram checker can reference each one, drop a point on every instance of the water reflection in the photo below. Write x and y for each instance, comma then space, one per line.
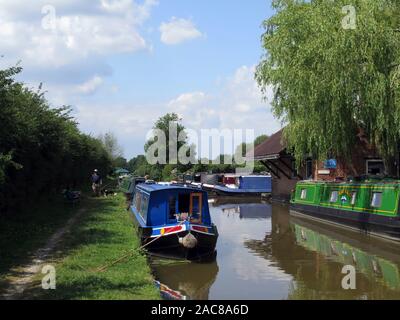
191, 280
248, 211
265, 253
315, 253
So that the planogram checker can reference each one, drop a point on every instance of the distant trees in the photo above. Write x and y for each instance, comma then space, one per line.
260, 139
41, 148
164, 124
178, 138
245, 148
120, 162
114, 150
140, 167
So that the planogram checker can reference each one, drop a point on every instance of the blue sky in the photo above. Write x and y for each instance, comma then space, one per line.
122, 64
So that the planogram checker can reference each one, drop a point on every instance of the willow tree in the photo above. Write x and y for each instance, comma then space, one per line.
334, 69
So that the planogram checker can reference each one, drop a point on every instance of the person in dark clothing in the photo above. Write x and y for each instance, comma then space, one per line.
96, 182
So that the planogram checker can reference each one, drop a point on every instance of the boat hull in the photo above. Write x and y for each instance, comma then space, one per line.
370, 224
169, 246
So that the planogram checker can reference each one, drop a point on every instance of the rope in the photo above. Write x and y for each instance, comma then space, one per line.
128, 255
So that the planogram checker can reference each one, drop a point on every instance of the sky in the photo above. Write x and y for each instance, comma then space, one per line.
122, 64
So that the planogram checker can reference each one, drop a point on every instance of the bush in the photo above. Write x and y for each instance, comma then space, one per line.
41, 148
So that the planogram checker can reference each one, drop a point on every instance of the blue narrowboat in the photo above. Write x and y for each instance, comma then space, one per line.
246, 185
174, 220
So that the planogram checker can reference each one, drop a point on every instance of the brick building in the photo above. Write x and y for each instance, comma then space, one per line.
281, 164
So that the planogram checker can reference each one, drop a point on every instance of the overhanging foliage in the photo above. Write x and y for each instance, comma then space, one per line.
329, 80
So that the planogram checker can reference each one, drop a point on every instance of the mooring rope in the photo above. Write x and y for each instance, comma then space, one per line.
128, 255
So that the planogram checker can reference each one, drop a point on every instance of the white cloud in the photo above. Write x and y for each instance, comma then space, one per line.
130, 123
187, 100
236, 105
67, 31
242, 107
116, 6
65, 44
196, 109
178, 30
90, 86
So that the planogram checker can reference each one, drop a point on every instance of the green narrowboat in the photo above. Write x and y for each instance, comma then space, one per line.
127, 186
369, 206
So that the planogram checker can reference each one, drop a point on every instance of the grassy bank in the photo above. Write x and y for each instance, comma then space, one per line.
102, 234
23, 233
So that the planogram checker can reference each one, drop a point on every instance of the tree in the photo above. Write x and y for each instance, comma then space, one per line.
136, 162
111, 145
331, 78
164, 124
244, 147
179, 138
260, 139
41, 148
120, 162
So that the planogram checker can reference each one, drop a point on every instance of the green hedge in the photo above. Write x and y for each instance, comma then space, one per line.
41, 148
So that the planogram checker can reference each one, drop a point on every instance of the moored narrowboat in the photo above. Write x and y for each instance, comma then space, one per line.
246, 186
174, 221
127, 186
207, 181
370, 206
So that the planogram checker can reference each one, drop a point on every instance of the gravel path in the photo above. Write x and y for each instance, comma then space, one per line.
21, 277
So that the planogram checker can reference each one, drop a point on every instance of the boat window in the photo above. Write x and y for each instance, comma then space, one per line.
172, 208
334, 196
376, 200
375, 167
138, 200
195, 207
144, 206
184, 203
353, 198
303, 195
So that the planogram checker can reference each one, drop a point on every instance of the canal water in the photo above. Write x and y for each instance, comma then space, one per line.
263, 252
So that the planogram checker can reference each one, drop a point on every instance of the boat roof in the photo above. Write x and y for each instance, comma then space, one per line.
233, 175
353, 182
256, 176
163, 187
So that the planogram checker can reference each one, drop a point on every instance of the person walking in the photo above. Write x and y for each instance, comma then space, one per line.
96, 182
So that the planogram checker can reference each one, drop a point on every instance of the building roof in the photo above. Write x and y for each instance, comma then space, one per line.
269, 149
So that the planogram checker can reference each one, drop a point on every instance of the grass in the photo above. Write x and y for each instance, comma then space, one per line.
24, 233
103, 233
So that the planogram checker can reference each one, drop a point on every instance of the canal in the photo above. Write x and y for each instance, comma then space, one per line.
266, 253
